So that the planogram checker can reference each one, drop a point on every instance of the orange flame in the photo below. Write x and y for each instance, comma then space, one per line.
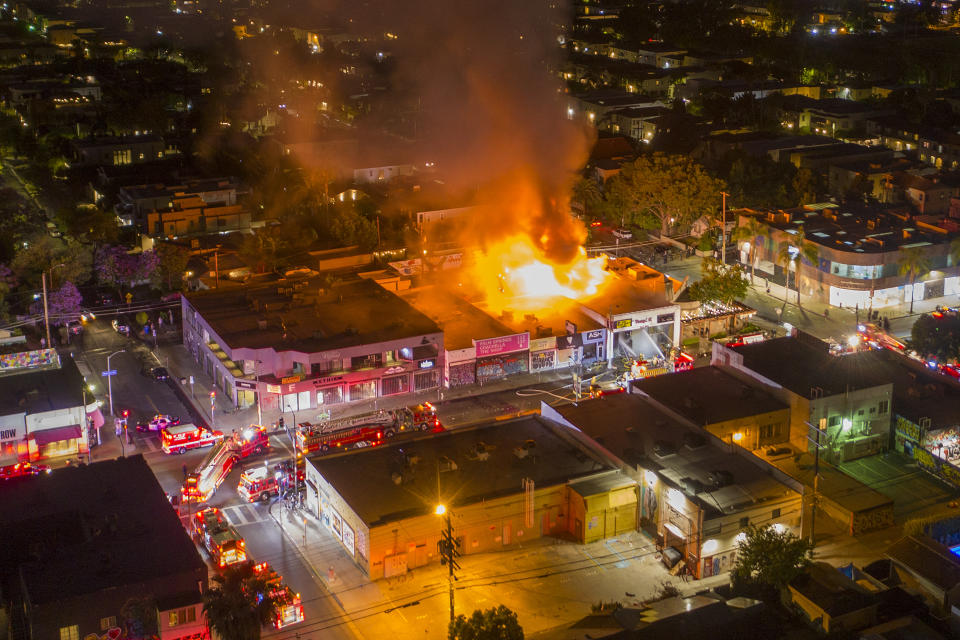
515, 273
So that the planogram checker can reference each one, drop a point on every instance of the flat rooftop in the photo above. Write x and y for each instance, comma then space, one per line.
708, 395
528, 447
461, 321
633, 430
307, 314
919, 392
812, 366
100, 526
39, 390
854, 227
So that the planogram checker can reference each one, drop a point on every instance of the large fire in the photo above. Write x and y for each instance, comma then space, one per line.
515, 273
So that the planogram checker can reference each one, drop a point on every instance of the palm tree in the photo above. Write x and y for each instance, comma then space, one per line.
955, 250
914, 262
797, 246
240, 606
588, 193
751, 232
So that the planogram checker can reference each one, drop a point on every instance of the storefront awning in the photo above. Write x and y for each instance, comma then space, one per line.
56, 434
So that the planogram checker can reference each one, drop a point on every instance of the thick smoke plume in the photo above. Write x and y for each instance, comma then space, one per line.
492, 112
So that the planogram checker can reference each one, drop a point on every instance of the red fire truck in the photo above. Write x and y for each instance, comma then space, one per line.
367, 429
262, 482
210, 474
289, 607
179, 438
225, 545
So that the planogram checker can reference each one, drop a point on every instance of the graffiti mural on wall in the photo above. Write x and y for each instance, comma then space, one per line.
864, 521
28, 359
939, 467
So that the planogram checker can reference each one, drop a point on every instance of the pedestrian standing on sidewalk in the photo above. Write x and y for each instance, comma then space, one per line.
184, 471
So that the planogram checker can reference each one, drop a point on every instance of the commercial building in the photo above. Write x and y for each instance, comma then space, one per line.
306, 343
502, 484
697, 493
135, 202
735, 411
846, 398
81, 543
42, 408
859, 253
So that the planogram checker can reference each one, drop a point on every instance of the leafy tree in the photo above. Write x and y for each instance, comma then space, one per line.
8, 282
664, 192
240, 605
90, 223
172, 262
807, 185
796, 246
490, 624
769, 557
913, 262
719, 282
70, 260
139, 617
939, 337
753, 232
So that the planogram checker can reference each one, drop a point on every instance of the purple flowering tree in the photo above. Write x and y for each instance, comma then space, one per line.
63, 304
117, 268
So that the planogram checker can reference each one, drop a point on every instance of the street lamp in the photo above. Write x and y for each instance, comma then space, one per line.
257, 398
109, 376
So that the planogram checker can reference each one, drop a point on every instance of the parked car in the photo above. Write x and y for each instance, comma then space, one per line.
623, 234
951, 370
162, 421
121, 326
86, 316
171, 297
160, 374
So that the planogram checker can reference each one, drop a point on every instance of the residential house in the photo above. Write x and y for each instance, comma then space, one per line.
832, 601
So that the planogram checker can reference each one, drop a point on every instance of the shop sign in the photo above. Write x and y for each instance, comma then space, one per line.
393, 370
503, 344
542, 344
428, 364
245, 384
327, 380
291, 379
273, 388
626, 323
592, 337
8, 434
568, 342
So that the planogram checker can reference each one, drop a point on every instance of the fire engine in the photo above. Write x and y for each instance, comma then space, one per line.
225, 545
210, 474
264, 481
366, 429
289, 607
179, 438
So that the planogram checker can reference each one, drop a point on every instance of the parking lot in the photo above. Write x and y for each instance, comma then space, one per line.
911, 489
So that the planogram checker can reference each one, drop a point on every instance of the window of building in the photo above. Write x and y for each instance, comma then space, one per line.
860, 412
884, 406
70, 633
108, 623
775, 514
395, 384
363, 391
333, 395
183, 616
744, 522
833, 421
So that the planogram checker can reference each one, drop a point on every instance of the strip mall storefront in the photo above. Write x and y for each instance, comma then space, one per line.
501, 357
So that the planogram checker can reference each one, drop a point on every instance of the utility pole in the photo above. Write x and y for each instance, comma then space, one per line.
449, 548
816, 482
46, 314
216, 267
723, 226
